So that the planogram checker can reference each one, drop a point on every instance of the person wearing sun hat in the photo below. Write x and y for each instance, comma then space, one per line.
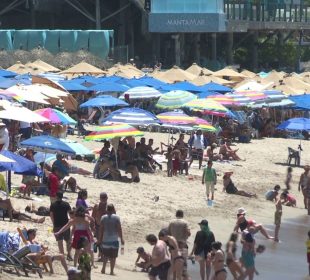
243, 224
202, 248
303, 184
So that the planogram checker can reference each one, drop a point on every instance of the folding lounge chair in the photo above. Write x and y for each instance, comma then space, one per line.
39, 261
19, 261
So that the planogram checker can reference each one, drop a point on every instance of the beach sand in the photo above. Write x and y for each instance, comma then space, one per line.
264, 167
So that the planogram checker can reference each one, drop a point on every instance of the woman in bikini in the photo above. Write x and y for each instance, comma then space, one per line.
218, 257
232, 263
177, 260
82, 227
303, 183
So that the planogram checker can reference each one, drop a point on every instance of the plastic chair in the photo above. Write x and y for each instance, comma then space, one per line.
293, 154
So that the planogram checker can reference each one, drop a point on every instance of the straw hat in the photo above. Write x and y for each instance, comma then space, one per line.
229, 173
241, 211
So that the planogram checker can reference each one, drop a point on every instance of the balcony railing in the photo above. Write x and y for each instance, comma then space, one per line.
244, 10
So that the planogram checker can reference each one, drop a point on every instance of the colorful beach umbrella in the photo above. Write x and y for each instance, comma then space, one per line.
179, 118
132, 116
208, 106
205, 127
141, 93
253, 95
55, 116
175, 99
111, 131
226, 100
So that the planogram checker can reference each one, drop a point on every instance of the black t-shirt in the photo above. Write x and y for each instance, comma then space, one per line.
203, 242
60, 211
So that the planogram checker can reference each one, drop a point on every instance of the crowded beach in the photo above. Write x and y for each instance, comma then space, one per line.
120, 174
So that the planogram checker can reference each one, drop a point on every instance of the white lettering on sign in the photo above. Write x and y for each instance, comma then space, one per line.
184, 22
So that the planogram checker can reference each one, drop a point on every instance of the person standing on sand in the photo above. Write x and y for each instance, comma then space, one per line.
180, 230
209, 178
277, 218
288, 178
109, 232
159, 263
303, 183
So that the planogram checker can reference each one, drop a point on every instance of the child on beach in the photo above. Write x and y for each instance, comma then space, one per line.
176, 162
146, 257
271, 195
277, 218
308, 250
84, 259
288, 199
288, 178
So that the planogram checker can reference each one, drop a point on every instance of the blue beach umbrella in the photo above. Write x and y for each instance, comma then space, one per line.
21, 165
104, 101
215, 87
47, 144
132, 116
73, 86
295, 124
109, 87
7, 73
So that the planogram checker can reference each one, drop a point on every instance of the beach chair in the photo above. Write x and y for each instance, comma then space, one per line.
40, 260
293, 154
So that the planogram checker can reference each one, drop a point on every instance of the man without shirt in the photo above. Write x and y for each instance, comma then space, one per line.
160, 261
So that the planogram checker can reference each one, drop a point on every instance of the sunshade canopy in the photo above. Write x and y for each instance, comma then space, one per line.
104, 101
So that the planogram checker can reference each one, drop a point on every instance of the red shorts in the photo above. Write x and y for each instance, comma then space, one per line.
77, 235
308, 257
176, 164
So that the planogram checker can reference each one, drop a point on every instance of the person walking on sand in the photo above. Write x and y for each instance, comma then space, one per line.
209, 178
160, 262
202, 247
303, 183
277, 218
218, 258
232, 263
59, 211
109, 232
288, 178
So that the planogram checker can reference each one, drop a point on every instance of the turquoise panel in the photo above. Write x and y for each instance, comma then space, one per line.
36, 38
6, 40
20, 40
52, 41
81, 40
67, 40
99, 43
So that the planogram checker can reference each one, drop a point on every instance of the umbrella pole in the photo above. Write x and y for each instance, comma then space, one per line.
116, 163
9, 181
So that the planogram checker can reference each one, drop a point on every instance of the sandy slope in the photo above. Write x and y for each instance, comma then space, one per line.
263, 168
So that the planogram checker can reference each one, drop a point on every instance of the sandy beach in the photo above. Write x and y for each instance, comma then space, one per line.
264, 167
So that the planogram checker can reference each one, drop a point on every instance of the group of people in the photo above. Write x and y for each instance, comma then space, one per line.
170, 252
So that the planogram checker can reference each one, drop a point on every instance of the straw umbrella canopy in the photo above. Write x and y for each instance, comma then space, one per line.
248, 73
297, 84
126, 71
83, 68
194, 69
176, 74
250, 85
46, 66
202, 80
18, 68
285, 89
232, 74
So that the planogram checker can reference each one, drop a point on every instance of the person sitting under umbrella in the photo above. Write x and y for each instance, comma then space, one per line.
229, 186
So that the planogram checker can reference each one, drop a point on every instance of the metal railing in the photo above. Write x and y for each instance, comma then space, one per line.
245, 10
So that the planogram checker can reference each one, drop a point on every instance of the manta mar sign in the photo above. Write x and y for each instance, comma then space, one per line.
167, 22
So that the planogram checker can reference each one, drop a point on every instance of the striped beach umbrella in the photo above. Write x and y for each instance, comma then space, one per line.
111, 131
175, 99
179, 118
132, 116
205, 127
253, 95
226, 100
208, 106
55, 116
141, 93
